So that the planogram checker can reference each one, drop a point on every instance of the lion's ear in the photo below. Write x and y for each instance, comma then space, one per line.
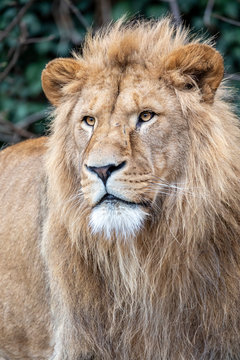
56, 74
201, 63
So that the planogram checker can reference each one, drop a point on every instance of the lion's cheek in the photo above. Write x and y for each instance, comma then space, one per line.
81, 139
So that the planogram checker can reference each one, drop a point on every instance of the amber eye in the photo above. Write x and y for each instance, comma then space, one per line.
89, 120
146, 116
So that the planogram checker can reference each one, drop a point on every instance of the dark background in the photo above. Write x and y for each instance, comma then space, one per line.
32, 32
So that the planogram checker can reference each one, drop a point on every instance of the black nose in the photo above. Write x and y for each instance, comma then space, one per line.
105, 171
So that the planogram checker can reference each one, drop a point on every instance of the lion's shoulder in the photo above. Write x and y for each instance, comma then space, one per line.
25, 148
21, 169
18, 160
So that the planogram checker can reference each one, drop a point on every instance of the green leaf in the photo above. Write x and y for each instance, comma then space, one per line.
121, 8
33, 77
157, 10
33, 24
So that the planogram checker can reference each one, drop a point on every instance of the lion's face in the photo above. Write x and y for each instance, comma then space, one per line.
132, 137
127, 127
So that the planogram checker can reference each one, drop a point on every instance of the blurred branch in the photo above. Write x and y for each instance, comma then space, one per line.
233, 77
16, 53
64, 22
175, 11
13, 133
16, 20
230, 21
29, 120
208, 13
12, 63
22, 40
38, 40
78, 14
14, 129
9, 139
103, 12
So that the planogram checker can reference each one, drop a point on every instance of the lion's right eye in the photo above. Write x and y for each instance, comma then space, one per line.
145, 116
89, 120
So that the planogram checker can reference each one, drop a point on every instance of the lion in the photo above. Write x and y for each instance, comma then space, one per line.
119, 232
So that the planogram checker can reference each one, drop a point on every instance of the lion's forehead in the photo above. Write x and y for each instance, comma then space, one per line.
124, 95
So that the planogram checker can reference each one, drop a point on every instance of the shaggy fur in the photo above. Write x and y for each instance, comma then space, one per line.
169, 288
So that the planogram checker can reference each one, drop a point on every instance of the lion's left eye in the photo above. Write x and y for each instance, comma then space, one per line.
89, 120
146, 116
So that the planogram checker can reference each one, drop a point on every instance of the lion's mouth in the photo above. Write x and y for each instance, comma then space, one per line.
112, 199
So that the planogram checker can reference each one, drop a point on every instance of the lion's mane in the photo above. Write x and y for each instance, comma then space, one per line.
173, 292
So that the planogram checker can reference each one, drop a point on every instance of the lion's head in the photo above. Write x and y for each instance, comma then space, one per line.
126, 104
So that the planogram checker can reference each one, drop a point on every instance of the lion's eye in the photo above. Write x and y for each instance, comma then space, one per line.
146, 116
188, 86
89, 120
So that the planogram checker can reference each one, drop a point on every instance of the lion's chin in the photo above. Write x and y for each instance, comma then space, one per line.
116, 219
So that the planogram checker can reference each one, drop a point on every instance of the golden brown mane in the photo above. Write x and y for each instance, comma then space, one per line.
177, 283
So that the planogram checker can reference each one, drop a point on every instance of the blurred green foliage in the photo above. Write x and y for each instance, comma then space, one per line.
51, 29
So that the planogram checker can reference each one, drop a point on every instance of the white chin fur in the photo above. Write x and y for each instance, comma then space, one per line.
120, 219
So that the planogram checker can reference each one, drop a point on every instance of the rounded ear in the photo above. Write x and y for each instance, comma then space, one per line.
202, 63
56, 74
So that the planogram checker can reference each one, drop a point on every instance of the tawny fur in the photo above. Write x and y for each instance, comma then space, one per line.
172, 290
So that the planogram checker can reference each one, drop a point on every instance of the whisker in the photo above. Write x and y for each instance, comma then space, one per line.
174, 191
159, 192
159, 179
187, 189
170, 186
